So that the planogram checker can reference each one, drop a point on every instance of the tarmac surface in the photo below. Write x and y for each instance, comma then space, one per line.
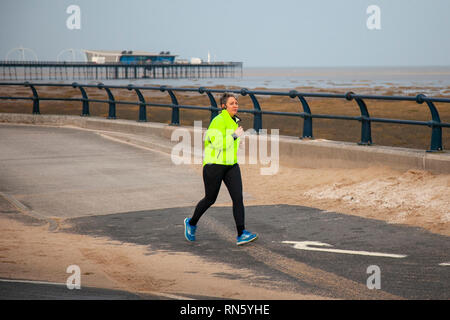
415, 274
33, 290
106, 188
16, 289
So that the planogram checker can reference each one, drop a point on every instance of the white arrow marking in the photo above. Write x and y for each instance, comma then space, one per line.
305, 245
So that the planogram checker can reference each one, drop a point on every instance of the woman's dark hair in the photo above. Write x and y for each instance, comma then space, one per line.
224, 98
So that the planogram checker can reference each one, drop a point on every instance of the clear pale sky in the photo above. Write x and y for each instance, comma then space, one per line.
261, 33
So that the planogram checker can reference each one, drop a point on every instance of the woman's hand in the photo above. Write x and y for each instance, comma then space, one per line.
239, 131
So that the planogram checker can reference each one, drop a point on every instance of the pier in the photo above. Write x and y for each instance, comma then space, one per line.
48, 70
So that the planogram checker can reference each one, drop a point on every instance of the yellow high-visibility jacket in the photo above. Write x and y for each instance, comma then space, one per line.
220, 145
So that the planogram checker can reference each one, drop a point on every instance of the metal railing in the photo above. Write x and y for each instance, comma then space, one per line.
434, 123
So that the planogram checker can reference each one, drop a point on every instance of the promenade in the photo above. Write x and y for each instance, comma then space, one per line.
113, 203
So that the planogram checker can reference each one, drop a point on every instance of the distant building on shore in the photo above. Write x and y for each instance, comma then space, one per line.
129, 57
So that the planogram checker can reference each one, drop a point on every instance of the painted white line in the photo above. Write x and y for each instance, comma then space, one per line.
26, 211
445, 264
133, 144
305, 245
32, 282
169, 295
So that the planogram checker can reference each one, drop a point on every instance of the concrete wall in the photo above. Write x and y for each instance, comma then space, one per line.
292, 151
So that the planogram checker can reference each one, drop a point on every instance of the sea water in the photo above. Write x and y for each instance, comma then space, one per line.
407, 80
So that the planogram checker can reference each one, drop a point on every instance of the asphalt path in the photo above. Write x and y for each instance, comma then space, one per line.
110, 189
67, 172
411, 261
14, 289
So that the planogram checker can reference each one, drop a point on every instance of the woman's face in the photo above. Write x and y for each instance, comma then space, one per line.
232, 106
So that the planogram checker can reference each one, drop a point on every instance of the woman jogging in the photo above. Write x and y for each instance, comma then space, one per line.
220, 164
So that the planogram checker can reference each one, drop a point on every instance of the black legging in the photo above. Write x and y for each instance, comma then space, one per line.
213, 174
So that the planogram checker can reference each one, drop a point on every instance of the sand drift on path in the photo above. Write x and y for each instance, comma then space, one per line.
414, 197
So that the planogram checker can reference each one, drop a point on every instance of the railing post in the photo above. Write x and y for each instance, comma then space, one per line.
142, 106
35, 98
366, 131
213, 102
112, 101
257, 116
175, 110
85, 111
436, 131
307, 119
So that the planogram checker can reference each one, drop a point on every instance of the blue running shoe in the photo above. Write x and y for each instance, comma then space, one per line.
246, 237
189, 231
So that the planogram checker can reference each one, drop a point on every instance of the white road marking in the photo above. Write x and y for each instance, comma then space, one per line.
169, 295
305, 245
444, 264
32, 282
